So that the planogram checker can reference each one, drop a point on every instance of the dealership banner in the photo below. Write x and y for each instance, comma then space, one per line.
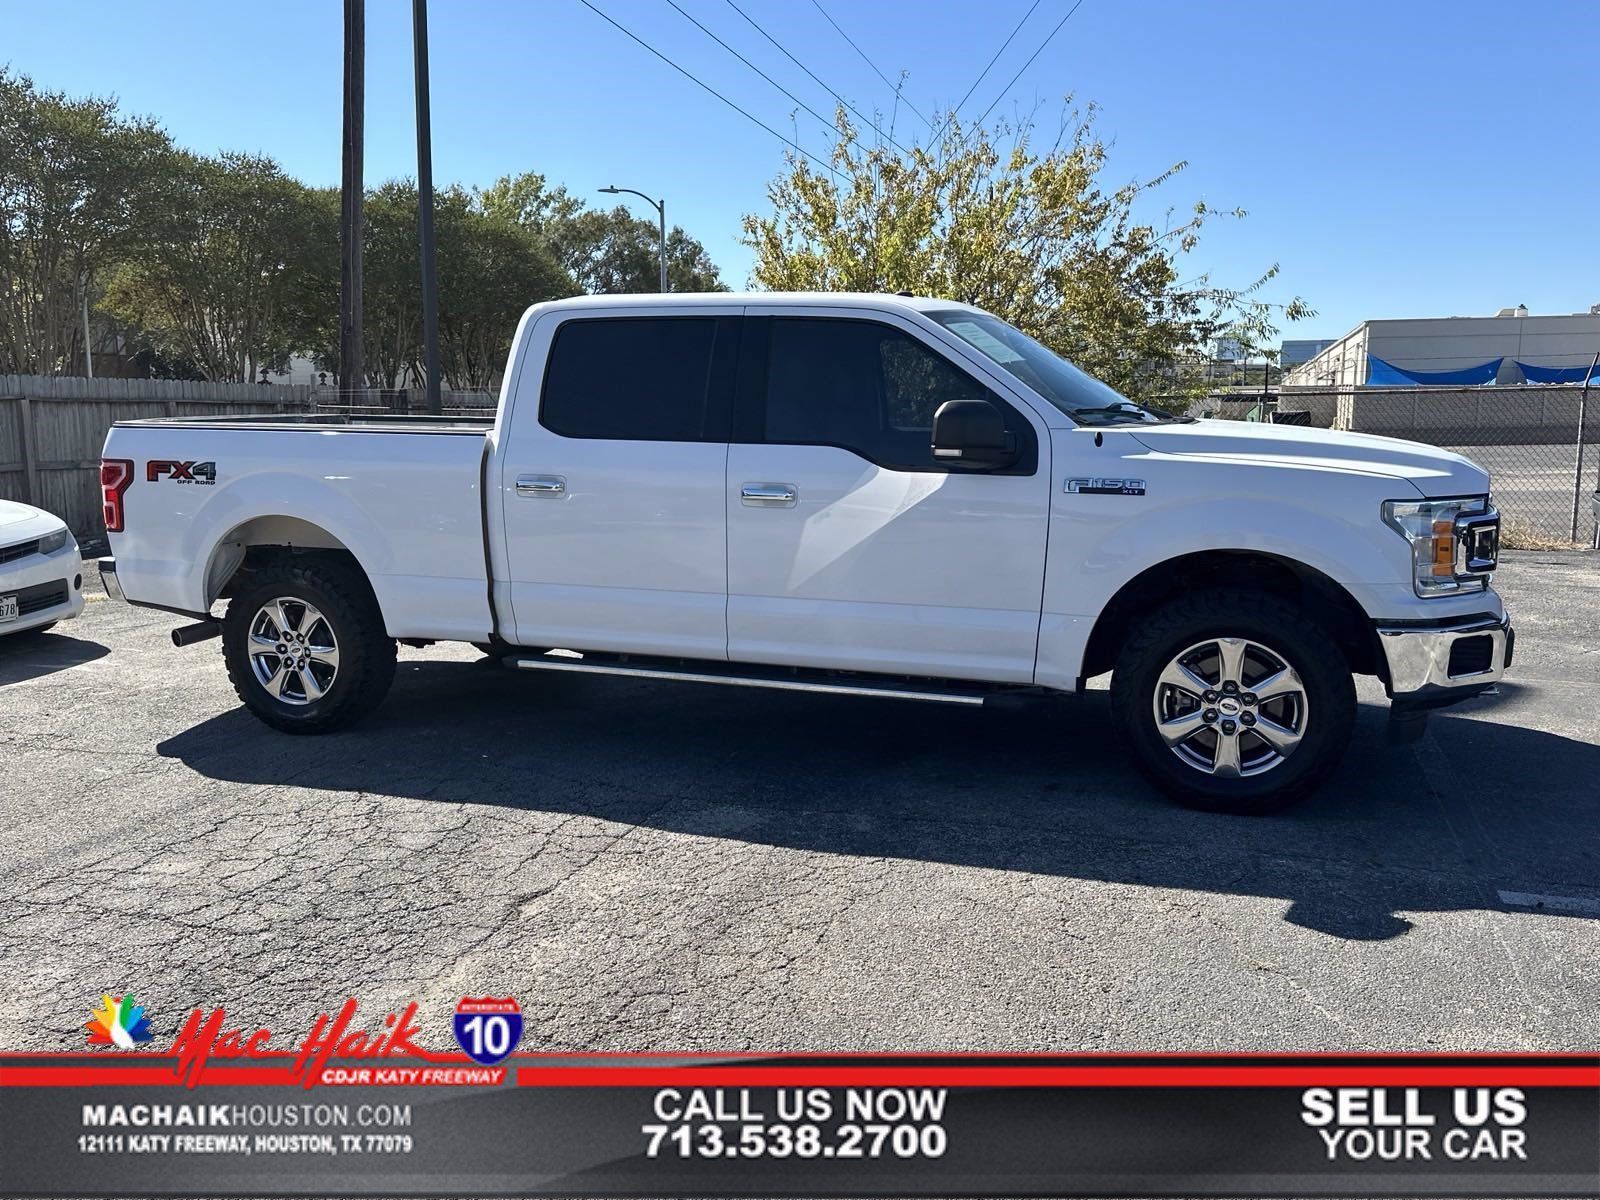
358, 1107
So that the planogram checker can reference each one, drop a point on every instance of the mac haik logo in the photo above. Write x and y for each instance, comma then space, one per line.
206, 1037
118, 1022
488, 1029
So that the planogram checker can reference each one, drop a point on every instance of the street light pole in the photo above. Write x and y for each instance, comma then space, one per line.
661, 212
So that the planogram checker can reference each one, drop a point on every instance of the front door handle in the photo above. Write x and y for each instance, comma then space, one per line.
769, 495
541, 485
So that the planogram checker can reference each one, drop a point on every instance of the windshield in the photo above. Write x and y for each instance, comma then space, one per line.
1076, 393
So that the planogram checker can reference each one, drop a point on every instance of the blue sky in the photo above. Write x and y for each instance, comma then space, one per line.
1404, 158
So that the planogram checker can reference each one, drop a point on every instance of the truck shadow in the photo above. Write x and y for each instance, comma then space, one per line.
33, 654
1474, 809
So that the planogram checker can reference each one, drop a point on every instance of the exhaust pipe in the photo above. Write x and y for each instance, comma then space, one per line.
200, 631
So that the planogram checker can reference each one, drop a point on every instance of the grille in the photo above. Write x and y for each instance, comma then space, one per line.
1471, 655
20, 550
40, 597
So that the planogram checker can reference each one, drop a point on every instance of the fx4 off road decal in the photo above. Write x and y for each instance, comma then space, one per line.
180, 472
1106, 487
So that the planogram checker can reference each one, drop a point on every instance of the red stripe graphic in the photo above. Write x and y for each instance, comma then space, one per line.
1299, 1075
1103, 1076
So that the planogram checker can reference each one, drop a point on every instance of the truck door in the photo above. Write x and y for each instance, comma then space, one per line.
612, 482
850, 545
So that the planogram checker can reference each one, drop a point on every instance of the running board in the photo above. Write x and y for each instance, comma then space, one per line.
749, 675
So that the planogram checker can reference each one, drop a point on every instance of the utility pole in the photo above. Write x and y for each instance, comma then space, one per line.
352, 371
430, 281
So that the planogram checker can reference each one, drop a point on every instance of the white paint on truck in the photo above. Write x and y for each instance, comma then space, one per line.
759, 482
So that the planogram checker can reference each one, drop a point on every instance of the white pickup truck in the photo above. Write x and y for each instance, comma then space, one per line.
866, 494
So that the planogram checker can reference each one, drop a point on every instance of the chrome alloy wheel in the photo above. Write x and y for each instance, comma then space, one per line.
293, 652
1230, 707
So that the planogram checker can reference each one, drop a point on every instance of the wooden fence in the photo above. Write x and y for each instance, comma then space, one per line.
52, 428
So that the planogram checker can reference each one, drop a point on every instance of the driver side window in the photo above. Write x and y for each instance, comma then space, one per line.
867, 388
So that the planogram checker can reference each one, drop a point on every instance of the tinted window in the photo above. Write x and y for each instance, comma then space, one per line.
1042, 369
864, 387
635, 379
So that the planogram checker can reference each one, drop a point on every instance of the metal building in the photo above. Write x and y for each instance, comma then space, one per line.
1510, 347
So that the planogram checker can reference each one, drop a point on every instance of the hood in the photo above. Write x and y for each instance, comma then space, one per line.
23, 521
1432, 471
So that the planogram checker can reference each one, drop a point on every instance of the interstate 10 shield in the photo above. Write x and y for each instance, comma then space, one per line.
488, 1029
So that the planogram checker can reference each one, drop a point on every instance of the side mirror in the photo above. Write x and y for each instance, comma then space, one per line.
972, 433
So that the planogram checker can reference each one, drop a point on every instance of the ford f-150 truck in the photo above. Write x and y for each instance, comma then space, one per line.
863, 494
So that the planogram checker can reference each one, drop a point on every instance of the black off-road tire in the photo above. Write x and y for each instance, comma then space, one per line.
1259, 617
366, 652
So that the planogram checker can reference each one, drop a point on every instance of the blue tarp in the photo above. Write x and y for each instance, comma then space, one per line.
1537, 374
1385, 374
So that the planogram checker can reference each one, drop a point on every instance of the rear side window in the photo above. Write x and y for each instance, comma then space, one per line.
646, 379
867, 388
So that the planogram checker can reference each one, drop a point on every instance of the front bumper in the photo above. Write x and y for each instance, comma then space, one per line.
1433, 665
44, 589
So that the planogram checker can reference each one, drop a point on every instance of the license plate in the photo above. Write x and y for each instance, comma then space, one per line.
8, 609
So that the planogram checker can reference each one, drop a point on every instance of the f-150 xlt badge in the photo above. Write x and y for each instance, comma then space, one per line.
1106, 487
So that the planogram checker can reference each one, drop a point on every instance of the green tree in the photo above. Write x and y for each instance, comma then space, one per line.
606, 251
234, 274
490, 269
1031, 234
79, 188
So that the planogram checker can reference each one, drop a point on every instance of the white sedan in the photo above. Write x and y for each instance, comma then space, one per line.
41, 573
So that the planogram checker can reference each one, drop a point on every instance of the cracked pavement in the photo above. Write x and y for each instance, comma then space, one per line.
651, 866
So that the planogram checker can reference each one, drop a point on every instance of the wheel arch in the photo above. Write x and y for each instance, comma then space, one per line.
262, 540
1320, 596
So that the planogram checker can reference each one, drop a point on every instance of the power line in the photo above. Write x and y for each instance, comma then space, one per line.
954, 112
826, 122
701, 83
817, 4
836, 95
1029, 63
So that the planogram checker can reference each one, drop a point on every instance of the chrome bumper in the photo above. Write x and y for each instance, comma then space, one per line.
1438, 660
108, 577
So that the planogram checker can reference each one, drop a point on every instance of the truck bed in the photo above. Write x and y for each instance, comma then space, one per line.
362, 422
403, 494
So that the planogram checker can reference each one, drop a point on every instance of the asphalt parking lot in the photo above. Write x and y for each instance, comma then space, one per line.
652, 866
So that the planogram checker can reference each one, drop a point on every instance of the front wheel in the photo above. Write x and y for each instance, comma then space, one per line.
1233, 701
306, 647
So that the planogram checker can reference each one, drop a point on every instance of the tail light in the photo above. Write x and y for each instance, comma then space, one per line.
115, 476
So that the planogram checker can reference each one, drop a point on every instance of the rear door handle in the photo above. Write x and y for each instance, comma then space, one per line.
541, 485
769, 495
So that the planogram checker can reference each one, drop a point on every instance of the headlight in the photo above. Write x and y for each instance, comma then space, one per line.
51, 542
1454, 543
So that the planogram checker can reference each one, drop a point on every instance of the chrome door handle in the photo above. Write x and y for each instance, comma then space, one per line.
541, 485
768, 495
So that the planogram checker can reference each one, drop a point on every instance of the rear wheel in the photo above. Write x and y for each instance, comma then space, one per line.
1233, 701
306, 647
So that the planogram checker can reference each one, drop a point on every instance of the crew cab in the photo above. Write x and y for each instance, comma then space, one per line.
863, 494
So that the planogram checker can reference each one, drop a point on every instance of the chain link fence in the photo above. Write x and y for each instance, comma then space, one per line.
1540, 444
